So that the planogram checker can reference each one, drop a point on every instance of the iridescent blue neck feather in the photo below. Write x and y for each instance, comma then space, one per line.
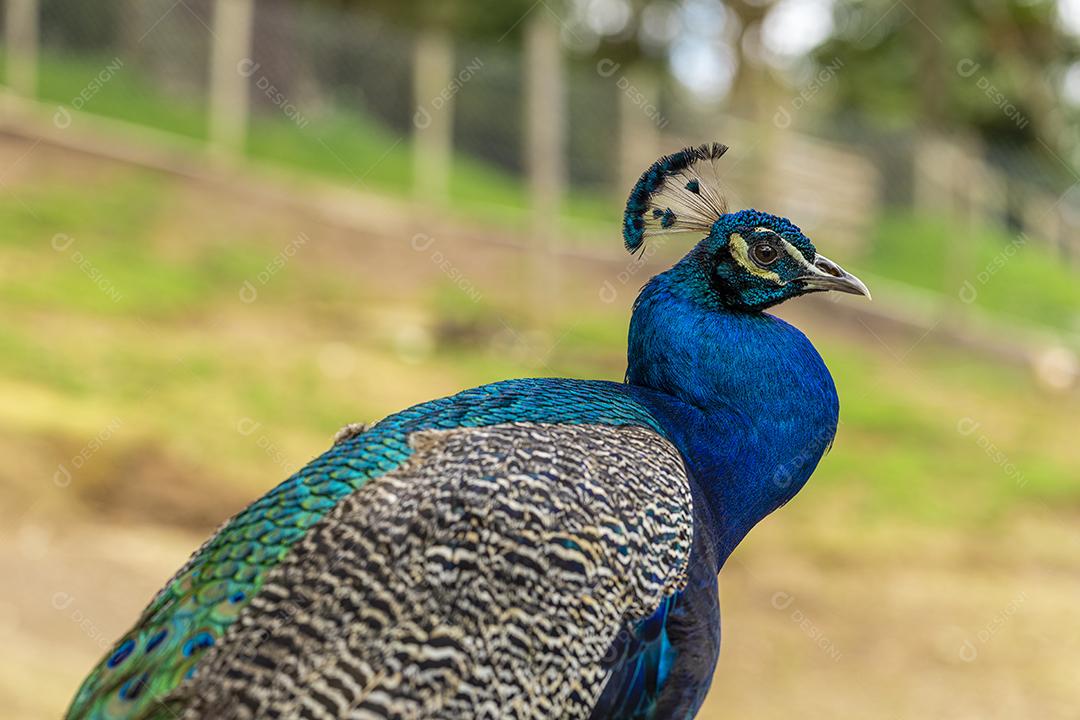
744, 395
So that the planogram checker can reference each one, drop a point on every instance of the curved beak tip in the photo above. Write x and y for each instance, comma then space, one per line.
859, 287
827, 275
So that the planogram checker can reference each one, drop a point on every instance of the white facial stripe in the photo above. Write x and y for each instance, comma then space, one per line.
797, 255
741, 253
793, 251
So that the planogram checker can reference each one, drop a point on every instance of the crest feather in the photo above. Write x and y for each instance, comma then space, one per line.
678, 193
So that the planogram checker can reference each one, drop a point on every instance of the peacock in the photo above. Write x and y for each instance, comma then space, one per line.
532, 548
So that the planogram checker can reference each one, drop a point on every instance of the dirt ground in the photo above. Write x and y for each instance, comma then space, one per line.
908, 625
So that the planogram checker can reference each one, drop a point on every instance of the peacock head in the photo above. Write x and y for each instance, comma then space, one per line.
747, 261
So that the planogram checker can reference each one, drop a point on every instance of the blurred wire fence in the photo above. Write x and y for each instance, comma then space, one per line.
523, 125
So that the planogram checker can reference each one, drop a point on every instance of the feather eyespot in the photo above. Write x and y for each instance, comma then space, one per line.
197, 642
156, 640
122, 653
132, 689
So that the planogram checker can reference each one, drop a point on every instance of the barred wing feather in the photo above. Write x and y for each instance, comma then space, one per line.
485, 577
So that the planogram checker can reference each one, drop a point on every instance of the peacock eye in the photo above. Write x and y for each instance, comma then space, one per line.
764, 254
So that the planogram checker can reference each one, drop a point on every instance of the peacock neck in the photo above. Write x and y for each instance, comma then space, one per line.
744, 396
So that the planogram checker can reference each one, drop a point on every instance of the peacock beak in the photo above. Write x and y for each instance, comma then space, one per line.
824, 274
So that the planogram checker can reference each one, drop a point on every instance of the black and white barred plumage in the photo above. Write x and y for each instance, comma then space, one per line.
486, 577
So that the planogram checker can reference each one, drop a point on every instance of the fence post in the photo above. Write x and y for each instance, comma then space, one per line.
545, 113
965, 176
639, 125
433, 121
229, 101
21, 38
1069, 229
930, 190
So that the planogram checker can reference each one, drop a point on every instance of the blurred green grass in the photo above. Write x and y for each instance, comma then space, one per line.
1011, 276
127, 95
182, 359
932, 253
345, 147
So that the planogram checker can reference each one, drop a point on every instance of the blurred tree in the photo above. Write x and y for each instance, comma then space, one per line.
484, 19
90, 30
987, 65
751, 83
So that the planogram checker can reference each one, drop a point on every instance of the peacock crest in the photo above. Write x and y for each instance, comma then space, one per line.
680, 192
